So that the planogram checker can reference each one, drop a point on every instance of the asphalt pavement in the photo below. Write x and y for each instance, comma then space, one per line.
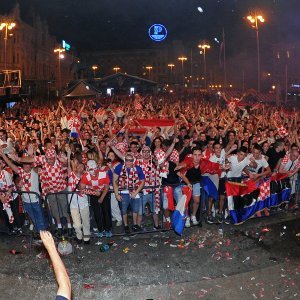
256, 260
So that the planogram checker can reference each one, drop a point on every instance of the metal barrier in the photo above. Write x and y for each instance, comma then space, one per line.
84, 212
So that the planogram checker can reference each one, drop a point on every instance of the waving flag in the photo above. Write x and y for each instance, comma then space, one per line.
179, 215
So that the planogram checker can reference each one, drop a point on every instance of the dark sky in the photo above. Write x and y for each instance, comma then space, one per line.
123, 24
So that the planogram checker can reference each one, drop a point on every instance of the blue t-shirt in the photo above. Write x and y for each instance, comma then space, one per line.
58, 297
139, 170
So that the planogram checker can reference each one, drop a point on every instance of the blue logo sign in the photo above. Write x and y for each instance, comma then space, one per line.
65, 45
158, 32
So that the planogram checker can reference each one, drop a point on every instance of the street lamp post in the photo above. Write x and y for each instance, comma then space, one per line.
149, 68
95, 68
182, 59
254, 21
204, 46
116, 69
6, 26
171, 66
60, 56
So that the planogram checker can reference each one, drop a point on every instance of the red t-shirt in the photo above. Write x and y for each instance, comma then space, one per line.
97, 182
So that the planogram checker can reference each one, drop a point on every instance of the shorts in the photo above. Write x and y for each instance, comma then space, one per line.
58, 205
148, 198
178, 191
222, 189
196, 189
134, 204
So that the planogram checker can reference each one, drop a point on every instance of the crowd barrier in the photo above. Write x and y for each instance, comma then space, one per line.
39, 213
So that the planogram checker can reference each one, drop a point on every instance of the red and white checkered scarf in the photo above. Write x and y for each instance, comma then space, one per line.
5, 186
163, 165
151, 179
128, 181
25, 179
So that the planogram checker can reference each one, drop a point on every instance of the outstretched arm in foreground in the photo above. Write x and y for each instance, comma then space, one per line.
64, 284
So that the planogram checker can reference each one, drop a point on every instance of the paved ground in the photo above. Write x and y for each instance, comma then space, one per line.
257, 260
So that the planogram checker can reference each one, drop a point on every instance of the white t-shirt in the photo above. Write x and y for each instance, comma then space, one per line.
260, 163
220, 160
64, 122
236, 166
76, 200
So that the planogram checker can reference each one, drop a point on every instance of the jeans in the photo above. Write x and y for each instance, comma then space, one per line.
35, 211
148, 198
134, 204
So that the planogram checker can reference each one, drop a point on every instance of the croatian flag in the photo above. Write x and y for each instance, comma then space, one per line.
255, 197
210, 184
179, 215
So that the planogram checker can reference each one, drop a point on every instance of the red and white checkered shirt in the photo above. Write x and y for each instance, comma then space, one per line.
74, 123
53, 178
93, 184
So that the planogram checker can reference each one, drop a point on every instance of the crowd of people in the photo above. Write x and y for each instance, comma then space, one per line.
87, 157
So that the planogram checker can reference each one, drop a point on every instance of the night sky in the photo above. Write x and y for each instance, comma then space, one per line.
90, 25
123, 24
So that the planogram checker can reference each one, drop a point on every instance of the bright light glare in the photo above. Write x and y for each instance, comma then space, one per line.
200, 9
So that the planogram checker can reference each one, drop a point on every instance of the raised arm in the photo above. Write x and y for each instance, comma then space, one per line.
8, 161
26, 160
62, 278
62, 107
82, 108
169, 151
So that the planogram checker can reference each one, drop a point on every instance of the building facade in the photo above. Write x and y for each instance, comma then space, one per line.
159, 64
30, 48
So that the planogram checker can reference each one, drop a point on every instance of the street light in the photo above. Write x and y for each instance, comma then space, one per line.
116, 69
171, 66
6, 26
204, 46
60, 56
149, 68
95, 68
182, 59
254, 21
